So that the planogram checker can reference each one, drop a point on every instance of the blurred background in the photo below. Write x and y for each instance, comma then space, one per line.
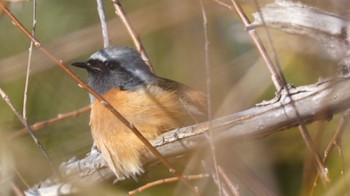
173, 36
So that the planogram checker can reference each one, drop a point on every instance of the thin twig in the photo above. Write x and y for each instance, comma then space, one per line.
166, 180
134, 36
22, 179
101, 14
25, 96
229, 7
275, 75
276, 64
25, 123
337, 137
210, 134
310, 145
98, 97
254, 123
137, 42
42, 124
335, 142
280, 83
17, 191
234, 190
302, 128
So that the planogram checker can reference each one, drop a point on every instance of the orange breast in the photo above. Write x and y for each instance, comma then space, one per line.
151, 110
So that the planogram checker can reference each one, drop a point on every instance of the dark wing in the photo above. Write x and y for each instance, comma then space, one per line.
194, 102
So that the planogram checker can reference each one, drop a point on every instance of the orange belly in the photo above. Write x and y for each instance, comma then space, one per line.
151, 110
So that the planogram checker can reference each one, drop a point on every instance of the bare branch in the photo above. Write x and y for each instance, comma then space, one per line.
101, 14
276, 77
216, 176
85, 41
279, 81
335, 142
16, 190
296, 18
233, 189
98, 97
166, 180
42, 124
325, 97
25, 96
25, 123
134, 36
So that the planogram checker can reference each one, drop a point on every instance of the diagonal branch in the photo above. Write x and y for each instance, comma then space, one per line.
5, 97
42, 124
98, 97
325, 97
134, 36
279, 81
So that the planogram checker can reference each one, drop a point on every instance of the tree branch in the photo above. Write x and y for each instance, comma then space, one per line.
314, 102
297, 18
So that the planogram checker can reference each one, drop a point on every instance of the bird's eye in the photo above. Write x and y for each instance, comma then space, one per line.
112, 64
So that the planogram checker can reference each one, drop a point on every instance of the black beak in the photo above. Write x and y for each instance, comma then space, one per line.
81, 65
87, 66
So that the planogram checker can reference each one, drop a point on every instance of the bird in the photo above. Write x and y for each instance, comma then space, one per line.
153, 104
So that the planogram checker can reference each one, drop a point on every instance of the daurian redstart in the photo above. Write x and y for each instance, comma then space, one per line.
154, 105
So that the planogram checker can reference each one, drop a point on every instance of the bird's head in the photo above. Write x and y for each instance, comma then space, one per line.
116, 67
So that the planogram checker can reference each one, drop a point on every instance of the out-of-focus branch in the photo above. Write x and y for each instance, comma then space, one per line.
296, 18
164, 181
325, 97
85, 41
276, 75
98, 97
39, 125
134, 36
28, 128
278, 79
104, 28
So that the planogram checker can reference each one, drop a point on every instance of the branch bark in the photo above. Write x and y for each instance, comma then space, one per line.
296, 18
314, 102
